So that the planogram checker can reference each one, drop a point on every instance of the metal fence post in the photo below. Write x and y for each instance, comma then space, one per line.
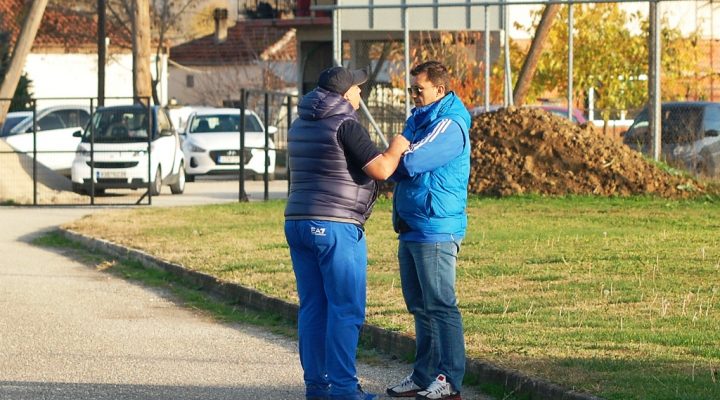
34, 166
242, 196
149, 125
266, 120
92, 159
571, 26
287, 148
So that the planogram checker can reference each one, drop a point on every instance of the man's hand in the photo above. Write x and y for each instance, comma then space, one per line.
399, 143
385, 164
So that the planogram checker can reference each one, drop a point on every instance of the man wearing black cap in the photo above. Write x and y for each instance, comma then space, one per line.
333, 165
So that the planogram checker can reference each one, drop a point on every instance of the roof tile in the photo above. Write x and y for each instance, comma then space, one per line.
60, 28
246, 42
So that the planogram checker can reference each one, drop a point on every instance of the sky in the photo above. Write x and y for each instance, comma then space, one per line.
684, 15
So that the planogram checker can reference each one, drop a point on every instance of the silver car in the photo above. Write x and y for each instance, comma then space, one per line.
690, 136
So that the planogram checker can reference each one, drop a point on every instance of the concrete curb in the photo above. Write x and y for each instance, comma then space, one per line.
385, 341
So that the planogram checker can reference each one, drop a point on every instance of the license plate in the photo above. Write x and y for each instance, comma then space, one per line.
228, 159
111, 174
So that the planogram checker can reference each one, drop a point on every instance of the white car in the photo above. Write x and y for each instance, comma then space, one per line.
11, 119
54, 135
114, 153
212, 144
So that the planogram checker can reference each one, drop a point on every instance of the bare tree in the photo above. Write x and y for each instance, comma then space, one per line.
165, 19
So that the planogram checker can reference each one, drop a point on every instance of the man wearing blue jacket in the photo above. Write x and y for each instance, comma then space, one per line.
429, 214
333, 164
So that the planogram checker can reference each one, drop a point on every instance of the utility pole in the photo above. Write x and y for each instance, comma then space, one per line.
141, 49
101, 48
23, 44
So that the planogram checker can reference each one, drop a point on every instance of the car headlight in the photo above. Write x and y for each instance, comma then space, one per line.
195, 149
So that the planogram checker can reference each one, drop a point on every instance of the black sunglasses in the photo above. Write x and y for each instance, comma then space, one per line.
417, 90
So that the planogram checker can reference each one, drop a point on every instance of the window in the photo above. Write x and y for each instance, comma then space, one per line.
223, 123
118, 125
50, 121
73, 118
711, 121
681, 125
190, 81
639, 132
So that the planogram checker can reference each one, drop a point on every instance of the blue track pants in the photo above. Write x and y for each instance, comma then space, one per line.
330, 262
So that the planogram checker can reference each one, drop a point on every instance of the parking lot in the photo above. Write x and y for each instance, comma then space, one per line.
211, 189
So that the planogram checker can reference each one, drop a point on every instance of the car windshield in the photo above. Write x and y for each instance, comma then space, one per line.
223, 123
680, 124
11, 122
118, 125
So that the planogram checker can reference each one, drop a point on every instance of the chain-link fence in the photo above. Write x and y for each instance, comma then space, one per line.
66, 151
601, 70
69, 152
268, 142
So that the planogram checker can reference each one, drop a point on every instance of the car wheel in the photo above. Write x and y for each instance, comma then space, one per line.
156, 186
179, 186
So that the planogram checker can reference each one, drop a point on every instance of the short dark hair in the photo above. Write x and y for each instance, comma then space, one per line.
436, 72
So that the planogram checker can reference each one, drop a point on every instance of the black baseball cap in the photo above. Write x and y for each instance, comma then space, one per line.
340, 79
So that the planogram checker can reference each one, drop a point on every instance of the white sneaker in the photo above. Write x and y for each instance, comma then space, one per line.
406, 388
439, 389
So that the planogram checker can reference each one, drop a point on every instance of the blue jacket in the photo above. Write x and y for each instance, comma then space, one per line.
323, 185
430, 194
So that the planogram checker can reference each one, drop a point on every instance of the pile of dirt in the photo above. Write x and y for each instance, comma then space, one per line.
16, 182
527, 150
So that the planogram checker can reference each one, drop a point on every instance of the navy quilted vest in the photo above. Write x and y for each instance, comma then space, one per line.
323, 185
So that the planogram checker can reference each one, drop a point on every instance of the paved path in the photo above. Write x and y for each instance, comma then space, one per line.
71, 332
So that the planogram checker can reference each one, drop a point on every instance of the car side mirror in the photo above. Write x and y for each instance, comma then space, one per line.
272, 130
166, 132
712, 133
77, 133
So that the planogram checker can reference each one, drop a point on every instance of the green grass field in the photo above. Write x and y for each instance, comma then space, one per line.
616, 297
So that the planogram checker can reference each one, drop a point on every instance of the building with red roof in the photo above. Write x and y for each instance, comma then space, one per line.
259, 54
63, 59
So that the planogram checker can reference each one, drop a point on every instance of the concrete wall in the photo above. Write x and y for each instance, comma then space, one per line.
75, 75
211, 85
